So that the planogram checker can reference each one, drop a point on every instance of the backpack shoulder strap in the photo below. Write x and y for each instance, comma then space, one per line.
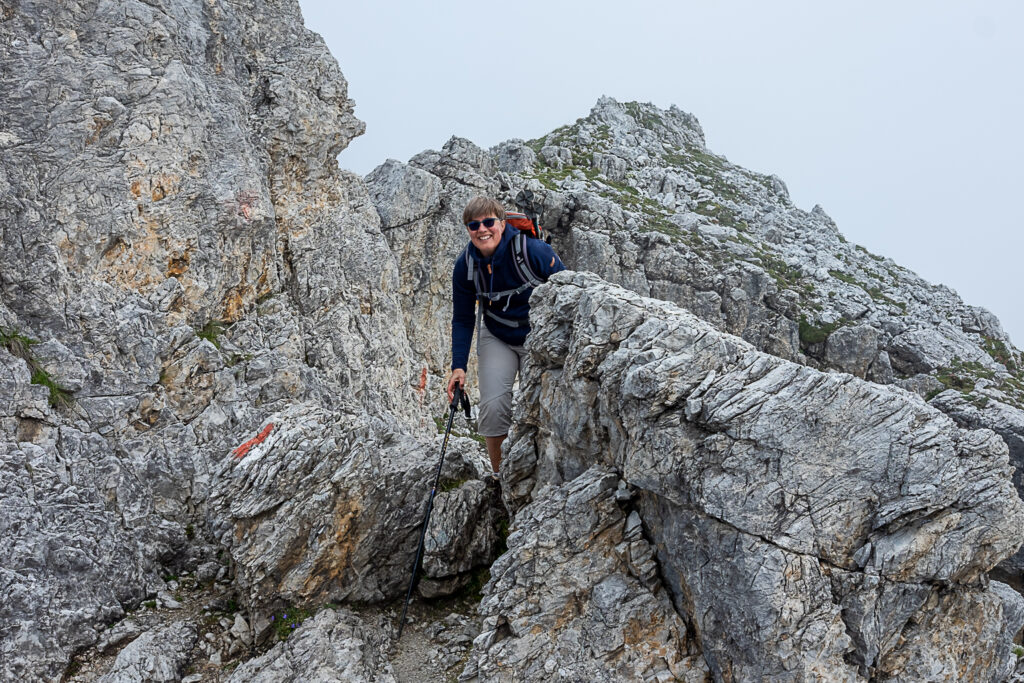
521, 260
472, 272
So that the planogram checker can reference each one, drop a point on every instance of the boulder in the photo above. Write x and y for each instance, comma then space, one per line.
773, 494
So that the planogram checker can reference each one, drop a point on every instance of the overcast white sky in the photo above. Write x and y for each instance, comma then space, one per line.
902, 119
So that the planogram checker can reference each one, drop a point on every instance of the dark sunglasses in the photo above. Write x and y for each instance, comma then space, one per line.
487, 223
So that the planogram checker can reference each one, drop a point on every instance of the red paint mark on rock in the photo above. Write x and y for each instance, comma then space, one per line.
423, 382
242, 450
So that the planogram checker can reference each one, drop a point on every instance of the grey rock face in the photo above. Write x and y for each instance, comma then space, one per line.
176, 236
973, 412
224, 309
157, 656
826, 490
329, 508
333, 646
852, 349
578, 596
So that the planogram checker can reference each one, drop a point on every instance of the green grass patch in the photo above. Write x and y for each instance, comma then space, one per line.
451, 485
210, 331
707, 168
647, 119
19, 346
960, 375
60, 397
1000, 353
811, 333
287, 620
878, 295
720, 214
785, 275
843, 277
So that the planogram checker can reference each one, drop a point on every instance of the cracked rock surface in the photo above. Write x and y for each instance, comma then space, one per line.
578, 596
335, 645
201, 351
806, 525
157, 656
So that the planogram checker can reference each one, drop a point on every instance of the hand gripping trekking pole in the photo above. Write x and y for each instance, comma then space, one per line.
458, 397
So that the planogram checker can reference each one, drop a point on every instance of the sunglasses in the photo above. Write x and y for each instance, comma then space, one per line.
487, 223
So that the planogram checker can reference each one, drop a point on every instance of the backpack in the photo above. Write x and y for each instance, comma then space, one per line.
525, 226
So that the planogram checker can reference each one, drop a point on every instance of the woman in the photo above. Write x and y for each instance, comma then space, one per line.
486, 272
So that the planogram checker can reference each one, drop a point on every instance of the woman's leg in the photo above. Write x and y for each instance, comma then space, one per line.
497, 364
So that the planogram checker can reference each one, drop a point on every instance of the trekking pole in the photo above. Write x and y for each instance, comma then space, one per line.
458, 397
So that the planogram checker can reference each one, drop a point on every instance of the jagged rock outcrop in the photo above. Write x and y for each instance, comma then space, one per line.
808, 526
632, 193
184, 267
329, 509
157, 656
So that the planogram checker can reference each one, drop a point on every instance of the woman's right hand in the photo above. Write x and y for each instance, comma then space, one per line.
458, 376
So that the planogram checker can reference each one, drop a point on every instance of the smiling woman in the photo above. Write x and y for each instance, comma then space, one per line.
489, 286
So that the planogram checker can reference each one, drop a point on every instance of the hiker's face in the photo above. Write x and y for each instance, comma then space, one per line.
487, 239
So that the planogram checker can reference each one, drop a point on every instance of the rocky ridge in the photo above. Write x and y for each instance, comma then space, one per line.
632, 194
204, 383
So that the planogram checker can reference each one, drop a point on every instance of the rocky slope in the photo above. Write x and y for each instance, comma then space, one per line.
214, 422
632, 193
806, 526
186, 272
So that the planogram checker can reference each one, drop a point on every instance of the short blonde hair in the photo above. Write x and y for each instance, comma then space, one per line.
482, 206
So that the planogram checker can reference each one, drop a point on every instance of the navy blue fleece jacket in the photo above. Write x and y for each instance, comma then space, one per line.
499, 275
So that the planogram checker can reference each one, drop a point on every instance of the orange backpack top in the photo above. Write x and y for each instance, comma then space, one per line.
524, 223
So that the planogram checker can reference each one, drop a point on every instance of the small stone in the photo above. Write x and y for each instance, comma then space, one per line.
207, 572
240, 629
167, 601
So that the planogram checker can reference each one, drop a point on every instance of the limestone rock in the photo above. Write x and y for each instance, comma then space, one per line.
335, 645
183, 257
157, 656
328, 508
219, 351
976, 411
632, 193
402, 195
852, 349
577, 596
863, 493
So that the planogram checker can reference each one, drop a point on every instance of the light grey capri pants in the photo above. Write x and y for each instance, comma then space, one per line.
497, 365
